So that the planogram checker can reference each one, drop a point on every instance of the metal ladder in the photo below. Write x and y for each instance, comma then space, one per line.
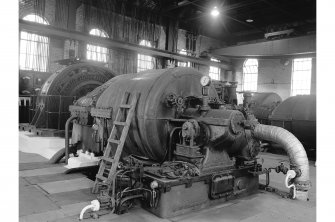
110, 161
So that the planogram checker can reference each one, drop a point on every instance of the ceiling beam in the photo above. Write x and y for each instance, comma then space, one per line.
303, 45
180, 4
48, 30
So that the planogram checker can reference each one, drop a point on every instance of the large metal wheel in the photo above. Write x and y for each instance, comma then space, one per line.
62, 88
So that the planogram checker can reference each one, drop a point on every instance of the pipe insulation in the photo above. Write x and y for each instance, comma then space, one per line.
94, 206
295, 150
289, 175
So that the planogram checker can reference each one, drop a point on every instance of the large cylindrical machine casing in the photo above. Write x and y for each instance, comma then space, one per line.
62, 88
76, 80
297, 114
263, 104
149, 133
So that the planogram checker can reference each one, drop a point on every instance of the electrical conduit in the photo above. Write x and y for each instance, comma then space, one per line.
296, 152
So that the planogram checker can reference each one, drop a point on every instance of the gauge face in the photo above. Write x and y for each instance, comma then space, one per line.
205, 80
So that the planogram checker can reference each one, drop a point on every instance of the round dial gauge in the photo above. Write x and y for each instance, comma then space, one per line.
205, 80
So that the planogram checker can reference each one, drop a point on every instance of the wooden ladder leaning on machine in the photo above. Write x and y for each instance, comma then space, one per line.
112, 154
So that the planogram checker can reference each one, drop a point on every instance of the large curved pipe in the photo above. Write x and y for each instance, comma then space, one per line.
67, 125
295, 150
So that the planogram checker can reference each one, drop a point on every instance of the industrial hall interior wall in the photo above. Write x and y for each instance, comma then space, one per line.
274, 76
79, 16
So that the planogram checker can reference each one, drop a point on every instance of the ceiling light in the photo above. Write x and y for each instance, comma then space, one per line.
249, 20
215, 12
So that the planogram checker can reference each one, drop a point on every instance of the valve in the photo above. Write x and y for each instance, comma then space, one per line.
171, 100
281, 168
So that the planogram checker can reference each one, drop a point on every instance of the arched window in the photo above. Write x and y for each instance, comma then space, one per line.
144, 62
214, 72
95, 52
250, 75
34, 49
183, 64
301, 76
36, 18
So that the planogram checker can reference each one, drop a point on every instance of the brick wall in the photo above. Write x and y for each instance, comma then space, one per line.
203, 43
80, 18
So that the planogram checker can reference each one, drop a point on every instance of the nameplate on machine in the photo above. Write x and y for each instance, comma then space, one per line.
79, 110
102, 112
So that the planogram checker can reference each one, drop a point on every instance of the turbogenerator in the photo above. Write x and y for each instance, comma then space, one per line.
185, 149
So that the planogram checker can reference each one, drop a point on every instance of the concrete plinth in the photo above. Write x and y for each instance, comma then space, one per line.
44, 146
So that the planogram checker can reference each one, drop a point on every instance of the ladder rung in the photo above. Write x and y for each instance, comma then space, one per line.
125, 106
114, 141
111, 160
120, 123
101, 177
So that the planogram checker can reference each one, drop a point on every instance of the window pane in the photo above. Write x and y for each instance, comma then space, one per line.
214, 72
250, 75
34, 49
95, 52
301, 76
144, 62
34, 52
35, 18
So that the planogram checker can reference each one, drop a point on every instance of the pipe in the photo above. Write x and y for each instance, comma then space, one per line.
296, 152
94, 206
67, 124
169, 151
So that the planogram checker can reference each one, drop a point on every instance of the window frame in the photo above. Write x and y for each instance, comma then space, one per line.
304, 81
214, 71
96, 52
250, 73
145, 62
181, 63
33, 48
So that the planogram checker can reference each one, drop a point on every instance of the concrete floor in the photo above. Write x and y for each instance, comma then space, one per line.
47, 194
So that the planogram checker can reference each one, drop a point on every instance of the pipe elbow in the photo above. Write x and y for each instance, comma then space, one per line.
94, 206
296, 152
67, 124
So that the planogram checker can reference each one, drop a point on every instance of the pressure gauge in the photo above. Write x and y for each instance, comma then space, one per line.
205, 80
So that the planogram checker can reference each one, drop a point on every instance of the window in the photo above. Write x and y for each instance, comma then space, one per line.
95, 52
144, 62
34, 49
250, 75
183, 64
301, 76
214, 72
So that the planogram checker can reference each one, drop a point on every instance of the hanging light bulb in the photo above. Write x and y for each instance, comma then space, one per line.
215, 12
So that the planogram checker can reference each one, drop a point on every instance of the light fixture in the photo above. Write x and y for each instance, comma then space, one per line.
249, 20
215, 12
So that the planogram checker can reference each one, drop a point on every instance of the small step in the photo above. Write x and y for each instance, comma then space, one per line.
111, 160
107, 171
114, 141
101, 177
120, 123
125, 106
